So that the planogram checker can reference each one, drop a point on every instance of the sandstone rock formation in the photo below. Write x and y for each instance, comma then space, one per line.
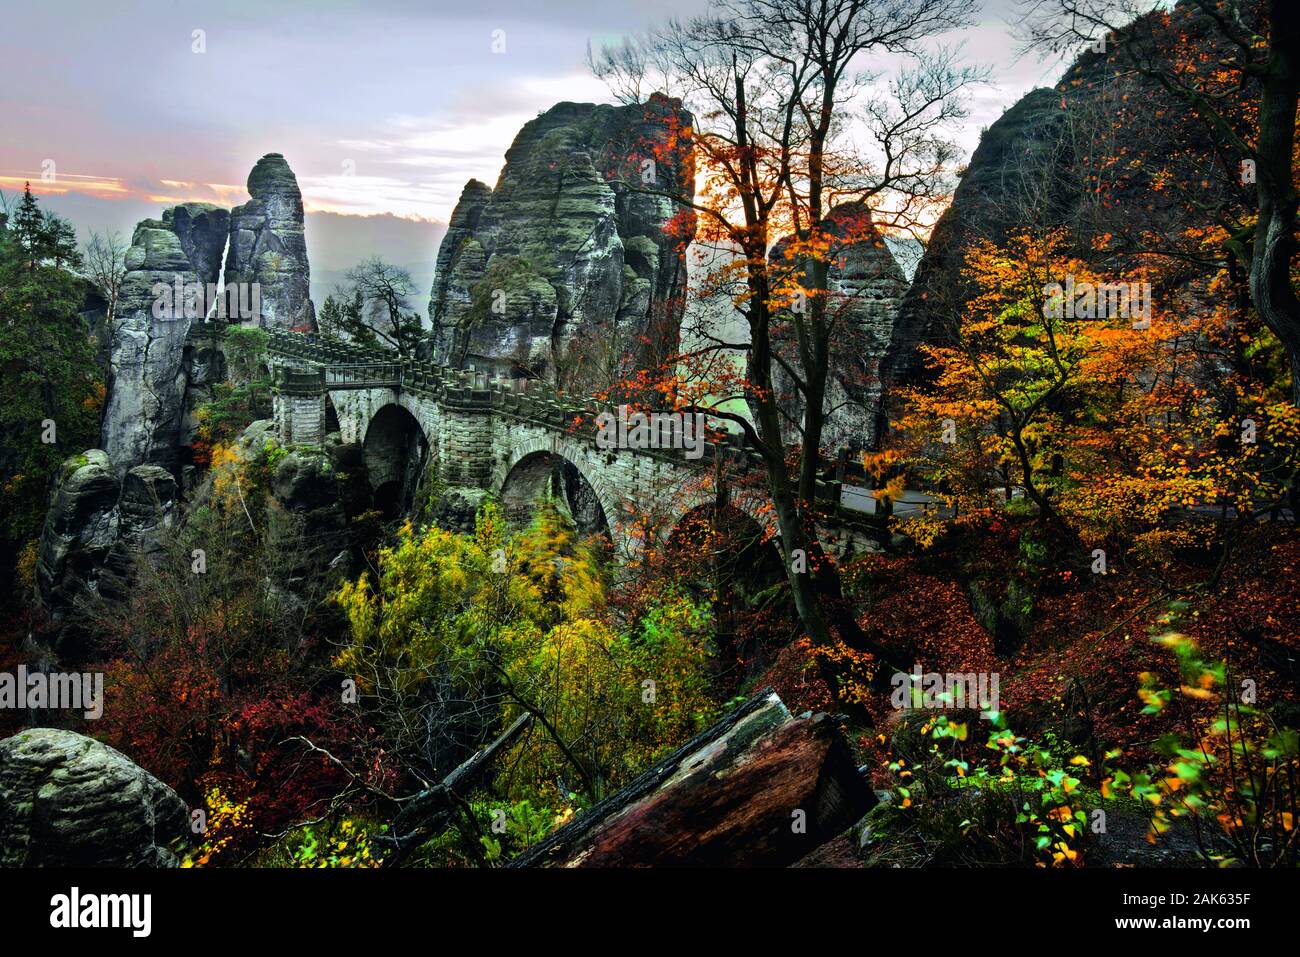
460, 230
866, 287
1047, 161
158, 371
80, 529
146, 388
96, 524
312, 488
268, 246
567, 263
989, 200
69, 801
205, 369
305, 483
145, 508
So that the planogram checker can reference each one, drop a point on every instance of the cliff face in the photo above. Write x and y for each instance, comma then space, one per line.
95, 526
460, 230
267, 246
146, 390
990, 199
866, 286
565, 267
113, 503
155, 374
1081, 155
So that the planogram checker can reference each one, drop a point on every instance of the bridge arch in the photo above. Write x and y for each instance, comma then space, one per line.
750, 503
546, 465
395, 450
724, 555
723, 523
730, 542
331, 416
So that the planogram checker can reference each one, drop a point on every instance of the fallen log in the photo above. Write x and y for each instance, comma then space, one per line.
759, 788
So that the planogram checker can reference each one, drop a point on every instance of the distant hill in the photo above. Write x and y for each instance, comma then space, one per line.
337, 242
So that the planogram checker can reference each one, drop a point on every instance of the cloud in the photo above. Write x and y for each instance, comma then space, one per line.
372, 195
60, 183
384, 108
416, 164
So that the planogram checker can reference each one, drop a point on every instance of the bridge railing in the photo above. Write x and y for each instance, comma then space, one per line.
343, 365
339, 365
371, 375
335, 364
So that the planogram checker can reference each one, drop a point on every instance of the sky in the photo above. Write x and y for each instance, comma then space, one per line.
383, 108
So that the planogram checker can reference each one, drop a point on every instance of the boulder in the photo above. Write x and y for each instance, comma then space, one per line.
96, 525
306, 486
80, 530
67, 800
457, 508
146, 508
308, 494
303, 480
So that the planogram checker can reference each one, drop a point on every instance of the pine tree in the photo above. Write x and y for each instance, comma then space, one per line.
44, 236
59, 242
47, 370
28, 225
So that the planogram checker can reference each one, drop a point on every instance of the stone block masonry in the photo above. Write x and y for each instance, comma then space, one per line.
304, 421
491, 436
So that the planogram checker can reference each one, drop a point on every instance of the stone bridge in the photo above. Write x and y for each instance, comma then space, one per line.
453, 436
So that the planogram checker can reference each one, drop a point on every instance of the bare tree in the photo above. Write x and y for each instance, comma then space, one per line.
374, 308
105, 268
779, 94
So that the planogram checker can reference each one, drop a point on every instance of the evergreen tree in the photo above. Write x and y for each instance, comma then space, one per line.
50, 395
28, 225
43, 236
59, 243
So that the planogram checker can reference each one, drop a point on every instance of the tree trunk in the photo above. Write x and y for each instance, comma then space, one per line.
1270, 266
759, 788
